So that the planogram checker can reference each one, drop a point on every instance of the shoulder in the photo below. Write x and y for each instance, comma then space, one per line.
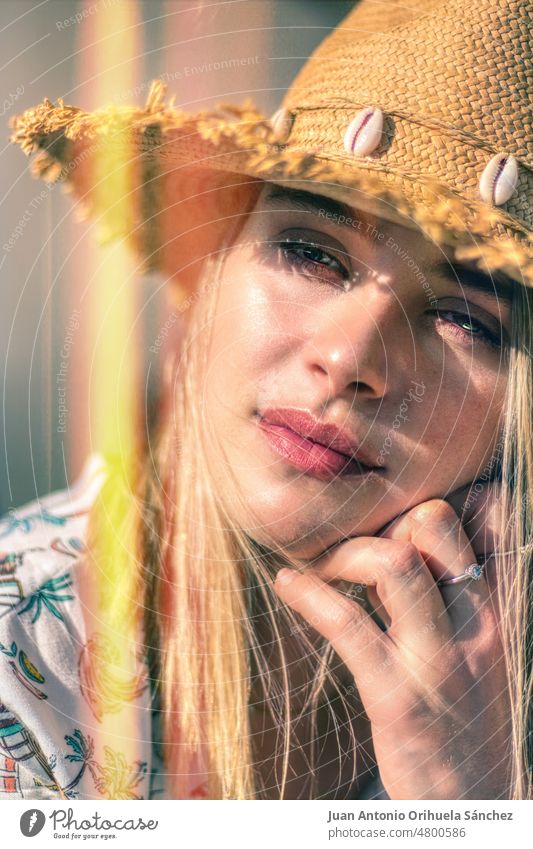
46, 534
57, 690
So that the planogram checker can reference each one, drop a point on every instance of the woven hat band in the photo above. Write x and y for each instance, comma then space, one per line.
413, 150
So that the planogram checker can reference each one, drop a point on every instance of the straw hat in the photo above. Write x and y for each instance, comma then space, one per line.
413, 109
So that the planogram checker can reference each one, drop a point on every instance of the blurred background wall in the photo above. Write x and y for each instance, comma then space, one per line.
51, 49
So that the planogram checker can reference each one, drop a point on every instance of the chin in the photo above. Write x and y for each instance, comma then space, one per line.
304, 524
299, 539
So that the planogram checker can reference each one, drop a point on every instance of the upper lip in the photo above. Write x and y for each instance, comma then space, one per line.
325, 433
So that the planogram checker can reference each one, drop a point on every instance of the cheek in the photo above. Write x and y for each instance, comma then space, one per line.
460, 415
253, 331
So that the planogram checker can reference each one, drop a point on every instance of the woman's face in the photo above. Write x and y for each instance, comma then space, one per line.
334, 328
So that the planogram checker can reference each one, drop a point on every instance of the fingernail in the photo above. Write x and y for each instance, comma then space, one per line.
285, 576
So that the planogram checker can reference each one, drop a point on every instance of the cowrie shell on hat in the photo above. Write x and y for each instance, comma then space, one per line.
281, 123
364, 132
499, 179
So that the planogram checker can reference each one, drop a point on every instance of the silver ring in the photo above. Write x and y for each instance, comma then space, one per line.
474, 572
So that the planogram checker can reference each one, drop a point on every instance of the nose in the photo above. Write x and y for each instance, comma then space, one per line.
354, 344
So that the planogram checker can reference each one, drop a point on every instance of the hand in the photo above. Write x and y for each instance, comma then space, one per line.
433, 683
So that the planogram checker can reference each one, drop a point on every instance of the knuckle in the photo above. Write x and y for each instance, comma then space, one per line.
346, 622
404, 560
343, 612
342, 619
437, 512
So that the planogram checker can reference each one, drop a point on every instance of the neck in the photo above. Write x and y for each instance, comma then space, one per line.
296, 669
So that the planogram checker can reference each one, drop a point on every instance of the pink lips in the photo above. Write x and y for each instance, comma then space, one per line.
323, 450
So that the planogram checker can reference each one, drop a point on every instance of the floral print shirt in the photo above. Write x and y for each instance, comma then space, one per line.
67, 731
60, 736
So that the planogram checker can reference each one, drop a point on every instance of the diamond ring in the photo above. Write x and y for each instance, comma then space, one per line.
474, 572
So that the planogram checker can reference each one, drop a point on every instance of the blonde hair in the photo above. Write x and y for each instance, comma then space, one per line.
514, 570
201, 582
218, 579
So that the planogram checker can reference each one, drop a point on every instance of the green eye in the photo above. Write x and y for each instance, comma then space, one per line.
468, 327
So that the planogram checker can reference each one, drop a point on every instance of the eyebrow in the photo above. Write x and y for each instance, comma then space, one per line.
340, 213
497, 286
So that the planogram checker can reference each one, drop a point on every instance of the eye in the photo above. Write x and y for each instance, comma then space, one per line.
467, 328
311, 260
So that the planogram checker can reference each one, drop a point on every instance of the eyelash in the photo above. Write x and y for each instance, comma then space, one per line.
289, 248
483, 334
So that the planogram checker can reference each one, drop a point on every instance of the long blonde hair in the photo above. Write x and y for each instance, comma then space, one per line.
202, 584
514, 571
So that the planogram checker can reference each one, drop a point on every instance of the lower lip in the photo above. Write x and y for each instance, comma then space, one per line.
322, 462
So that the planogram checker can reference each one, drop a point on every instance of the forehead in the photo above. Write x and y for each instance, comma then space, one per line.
402, 241
355, 217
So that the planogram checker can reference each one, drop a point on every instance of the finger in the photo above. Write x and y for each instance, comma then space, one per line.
478, 506
396, 569
483, 526
481, 519
434, 528
355, 637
